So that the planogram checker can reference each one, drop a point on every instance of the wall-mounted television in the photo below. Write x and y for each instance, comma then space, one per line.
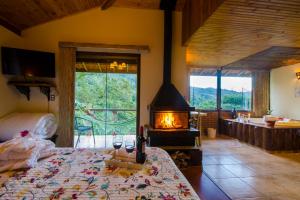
27, 63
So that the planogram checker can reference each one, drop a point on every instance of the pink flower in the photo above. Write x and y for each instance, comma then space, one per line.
184, 190
24, 133
167, 197
57, 193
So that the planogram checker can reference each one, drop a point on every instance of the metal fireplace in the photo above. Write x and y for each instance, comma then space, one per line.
169, 119
169, 111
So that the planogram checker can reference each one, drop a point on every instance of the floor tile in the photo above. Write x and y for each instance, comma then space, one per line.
236, 188
217, 171
246, 172
240, 170
265, 185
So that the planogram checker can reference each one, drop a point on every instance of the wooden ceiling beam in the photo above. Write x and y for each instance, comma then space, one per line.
18, 15
194, 15
273, 57
9, 26
107, 4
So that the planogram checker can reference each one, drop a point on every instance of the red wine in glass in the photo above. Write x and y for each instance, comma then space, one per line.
117, 145
129, 145
129, 148
117, 141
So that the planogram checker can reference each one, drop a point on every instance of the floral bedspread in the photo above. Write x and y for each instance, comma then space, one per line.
82, 174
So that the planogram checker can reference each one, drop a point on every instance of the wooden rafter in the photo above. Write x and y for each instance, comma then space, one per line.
22, 14
107, 4
9, 26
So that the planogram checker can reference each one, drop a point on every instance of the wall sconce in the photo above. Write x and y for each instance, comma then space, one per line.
298, 75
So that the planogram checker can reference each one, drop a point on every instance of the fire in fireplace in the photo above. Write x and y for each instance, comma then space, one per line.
171, 120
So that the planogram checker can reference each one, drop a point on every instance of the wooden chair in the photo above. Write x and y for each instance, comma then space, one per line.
82, 126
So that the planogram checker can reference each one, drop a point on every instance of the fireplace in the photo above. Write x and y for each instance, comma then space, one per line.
171, 120
169, 111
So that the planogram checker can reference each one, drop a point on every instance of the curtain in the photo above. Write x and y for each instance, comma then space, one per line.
66, 75
260, 92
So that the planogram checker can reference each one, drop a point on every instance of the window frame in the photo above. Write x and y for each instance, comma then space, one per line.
219, 107
189, 96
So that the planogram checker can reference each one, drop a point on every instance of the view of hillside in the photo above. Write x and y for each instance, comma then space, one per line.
205, 98
108, 100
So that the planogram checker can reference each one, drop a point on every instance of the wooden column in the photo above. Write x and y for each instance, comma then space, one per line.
66, 83
260, 92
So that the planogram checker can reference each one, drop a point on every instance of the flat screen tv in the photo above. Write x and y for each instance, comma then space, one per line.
27, 63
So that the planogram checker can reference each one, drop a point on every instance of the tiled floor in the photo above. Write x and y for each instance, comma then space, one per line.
246, 172
101, 141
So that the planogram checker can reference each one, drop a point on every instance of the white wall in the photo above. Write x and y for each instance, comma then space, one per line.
283, 85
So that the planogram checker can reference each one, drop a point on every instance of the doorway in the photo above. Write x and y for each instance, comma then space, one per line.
106, 98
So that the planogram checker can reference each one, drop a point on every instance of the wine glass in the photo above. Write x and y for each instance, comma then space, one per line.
117, 141
129, 145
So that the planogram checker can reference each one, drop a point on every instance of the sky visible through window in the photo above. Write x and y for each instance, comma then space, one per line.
229, 83
235, 92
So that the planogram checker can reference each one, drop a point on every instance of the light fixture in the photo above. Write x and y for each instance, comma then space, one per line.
298, 75
120, 66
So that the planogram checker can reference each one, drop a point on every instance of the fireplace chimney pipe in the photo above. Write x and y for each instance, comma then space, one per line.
167, 6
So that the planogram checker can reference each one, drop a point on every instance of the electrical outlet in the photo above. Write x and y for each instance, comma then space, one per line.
52, 97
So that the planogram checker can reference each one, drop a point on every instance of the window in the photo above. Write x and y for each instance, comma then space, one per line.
236, 93
203, 92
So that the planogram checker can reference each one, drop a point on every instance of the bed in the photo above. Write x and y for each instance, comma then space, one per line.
81, 174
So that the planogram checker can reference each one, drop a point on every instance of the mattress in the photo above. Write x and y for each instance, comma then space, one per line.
81, 174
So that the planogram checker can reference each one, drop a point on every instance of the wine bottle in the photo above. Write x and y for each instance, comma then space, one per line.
140, 147
233, 114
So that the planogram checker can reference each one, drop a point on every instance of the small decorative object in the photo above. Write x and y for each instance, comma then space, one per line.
298, 75
248, 117
270, 120
24, 133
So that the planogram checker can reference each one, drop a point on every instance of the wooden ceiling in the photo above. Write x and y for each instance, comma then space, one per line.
273, 57
240, 28
17, 15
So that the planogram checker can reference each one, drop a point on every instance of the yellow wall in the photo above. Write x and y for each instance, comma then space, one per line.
113, 26
8, 94
179, 69
283, 85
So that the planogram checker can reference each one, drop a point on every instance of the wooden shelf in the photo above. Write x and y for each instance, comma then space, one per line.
24, 87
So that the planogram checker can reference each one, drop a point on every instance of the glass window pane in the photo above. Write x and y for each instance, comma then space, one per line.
203, 92
236, 93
